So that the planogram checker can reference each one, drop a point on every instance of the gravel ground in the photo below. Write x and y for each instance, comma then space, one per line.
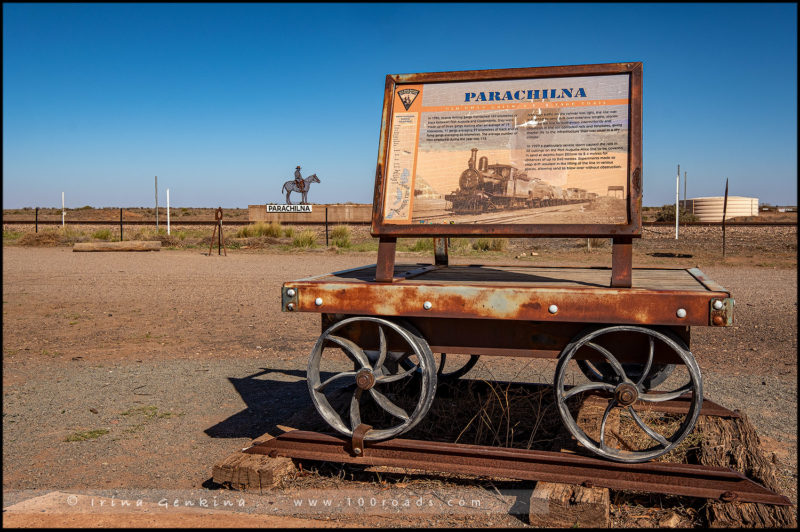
184, 358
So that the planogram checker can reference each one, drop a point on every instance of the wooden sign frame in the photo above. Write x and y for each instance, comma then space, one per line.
630, 228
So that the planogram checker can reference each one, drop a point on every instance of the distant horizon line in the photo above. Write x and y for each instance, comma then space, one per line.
171, 207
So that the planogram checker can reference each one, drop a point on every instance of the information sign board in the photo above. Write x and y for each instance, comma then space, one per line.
518, 152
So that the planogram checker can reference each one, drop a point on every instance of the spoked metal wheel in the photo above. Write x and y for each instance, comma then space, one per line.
450, 367
603, 371
630, 427
398, 400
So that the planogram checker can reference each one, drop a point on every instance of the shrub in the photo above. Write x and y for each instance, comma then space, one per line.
340, 231
70, 235
245, 232
667, 214
146, 233
305, 239
594, 243
272, 229
499, 244
482, 244
138, 234
102, 234
458, 244
45, 238
169, 241
422, 244
341, 236
288, 232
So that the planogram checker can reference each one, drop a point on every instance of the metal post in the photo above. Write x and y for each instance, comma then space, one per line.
326, 226
63, 212
621, 262
384, 269
219, 239
724, 211
120, 224
677, 196
167, 211
36, 218
156, 204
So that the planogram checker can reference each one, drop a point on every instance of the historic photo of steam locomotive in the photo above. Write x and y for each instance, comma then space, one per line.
485, 187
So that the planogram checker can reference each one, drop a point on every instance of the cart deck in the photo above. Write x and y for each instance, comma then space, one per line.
517, 292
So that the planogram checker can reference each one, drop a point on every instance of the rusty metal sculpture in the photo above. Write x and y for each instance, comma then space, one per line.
299, 185
218, 233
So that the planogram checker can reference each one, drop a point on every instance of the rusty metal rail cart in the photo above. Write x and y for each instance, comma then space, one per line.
619, 334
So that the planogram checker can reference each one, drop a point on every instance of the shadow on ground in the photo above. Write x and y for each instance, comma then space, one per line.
270, 402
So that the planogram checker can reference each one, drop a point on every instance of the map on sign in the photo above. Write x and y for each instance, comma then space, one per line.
401, 166
402, 193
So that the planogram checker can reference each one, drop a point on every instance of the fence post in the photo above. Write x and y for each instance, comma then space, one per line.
724, 211
37, 220
120, 224
326, 226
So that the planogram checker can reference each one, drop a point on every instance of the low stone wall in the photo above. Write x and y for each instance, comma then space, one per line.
337, 214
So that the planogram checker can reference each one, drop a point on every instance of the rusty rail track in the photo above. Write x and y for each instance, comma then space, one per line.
655, 477
719, 224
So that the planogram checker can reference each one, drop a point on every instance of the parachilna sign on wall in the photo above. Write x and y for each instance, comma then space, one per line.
289, 208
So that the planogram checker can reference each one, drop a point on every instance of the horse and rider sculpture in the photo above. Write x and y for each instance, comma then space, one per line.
298, 184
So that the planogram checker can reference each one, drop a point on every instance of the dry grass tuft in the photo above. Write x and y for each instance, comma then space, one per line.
39, 239
272, 229
305, 239
340, 235
102, 234
490, 244
596, 243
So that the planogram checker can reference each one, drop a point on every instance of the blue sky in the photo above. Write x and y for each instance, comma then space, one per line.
221, 102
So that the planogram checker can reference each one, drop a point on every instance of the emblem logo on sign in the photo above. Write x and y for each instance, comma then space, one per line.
407, 96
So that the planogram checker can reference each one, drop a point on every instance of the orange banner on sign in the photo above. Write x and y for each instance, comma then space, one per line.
524, 105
